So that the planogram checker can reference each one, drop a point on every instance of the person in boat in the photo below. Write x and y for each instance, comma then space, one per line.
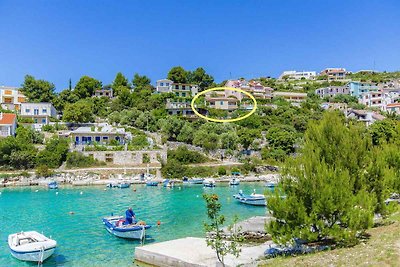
129, 216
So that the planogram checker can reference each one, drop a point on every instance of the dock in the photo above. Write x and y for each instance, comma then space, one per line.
193, 252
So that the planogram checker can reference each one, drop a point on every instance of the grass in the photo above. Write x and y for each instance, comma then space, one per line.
381, 249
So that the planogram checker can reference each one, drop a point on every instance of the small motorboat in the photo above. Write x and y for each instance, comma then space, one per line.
270, 184
123, 185
115, 225
253, 199
234, 181
209, 183
31, 246
193, 180
168, 183
52, 185
152, 183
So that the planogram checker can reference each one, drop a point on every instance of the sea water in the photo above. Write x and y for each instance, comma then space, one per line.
73, 217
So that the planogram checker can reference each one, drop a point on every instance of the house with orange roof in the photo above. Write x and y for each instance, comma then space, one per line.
8, 124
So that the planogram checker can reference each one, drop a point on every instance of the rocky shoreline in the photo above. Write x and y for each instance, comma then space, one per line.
91, 179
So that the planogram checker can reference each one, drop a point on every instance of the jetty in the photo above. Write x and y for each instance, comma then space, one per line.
194, 252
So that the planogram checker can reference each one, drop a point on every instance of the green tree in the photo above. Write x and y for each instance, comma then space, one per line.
86, 87
81, 111
328, 193
247, 137
282, 138
216, 240
177, 75
186, 133
54, 154
384, 131
141, 82
201, 78
38, 90
120, 80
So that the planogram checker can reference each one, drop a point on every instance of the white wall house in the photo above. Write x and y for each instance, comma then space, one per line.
179, 89
8, 124
298, 75
39, 112
11, 98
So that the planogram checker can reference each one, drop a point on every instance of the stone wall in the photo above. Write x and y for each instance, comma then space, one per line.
128, 158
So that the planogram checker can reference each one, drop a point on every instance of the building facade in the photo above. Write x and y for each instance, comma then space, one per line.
8, 124
11, 98
101, 133
255, 88
334, 73
358, 88
39, 112
291, 96
183, 109
104, 92
179, 89
298, 75
223, 103
332, 91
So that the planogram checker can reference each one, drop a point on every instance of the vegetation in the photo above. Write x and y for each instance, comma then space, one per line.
336, 184
216, 241
78, 160
185, 156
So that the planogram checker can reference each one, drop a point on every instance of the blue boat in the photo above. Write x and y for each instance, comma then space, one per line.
52, 185
152, 183
123, 185
114, 225
168, 183
270, 184
253, 199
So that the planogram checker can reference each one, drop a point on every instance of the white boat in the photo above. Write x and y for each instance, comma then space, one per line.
270, 184
253, 199
209, 182
114, 225
234, 181
31, 246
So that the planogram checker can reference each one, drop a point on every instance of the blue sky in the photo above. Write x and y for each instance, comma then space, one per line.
57, 40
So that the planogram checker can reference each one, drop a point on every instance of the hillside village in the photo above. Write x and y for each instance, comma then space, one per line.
128, 124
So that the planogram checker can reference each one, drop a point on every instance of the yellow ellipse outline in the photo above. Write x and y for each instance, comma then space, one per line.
224, 88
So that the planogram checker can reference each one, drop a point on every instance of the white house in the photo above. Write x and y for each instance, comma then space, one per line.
179, 89
8, 124
11, 98
298, 75
39, 112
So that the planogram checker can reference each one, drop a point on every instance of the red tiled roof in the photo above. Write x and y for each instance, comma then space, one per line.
393, 105
7, 118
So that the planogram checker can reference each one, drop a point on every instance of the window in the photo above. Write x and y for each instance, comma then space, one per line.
77, 139
183, 87
97, 138
27, 110
36, 111
43, 120
183, 94
161, 84
35, 120
44, 111
176, 86
166, 84
105, 137
177, 94
221, 102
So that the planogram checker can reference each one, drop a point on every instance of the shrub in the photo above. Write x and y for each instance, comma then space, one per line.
43, 171
76, 159
221, 170
186, 156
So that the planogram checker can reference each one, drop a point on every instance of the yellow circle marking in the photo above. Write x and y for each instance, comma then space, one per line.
219, 89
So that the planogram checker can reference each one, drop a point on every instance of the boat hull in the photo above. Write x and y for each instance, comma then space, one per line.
249, 200
129, 232
33, 256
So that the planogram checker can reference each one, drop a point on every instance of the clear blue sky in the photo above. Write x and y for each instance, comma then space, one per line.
57, 40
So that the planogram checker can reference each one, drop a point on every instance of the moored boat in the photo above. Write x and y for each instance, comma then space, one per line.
234, 181
123, 185
168, 183
193, 180
152, 183
31, 246
209, 183
115, 225
270, 184
52, 185
253, 199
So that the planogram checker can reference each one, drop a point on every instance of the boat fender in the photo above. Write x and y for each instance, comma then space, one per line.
141, 223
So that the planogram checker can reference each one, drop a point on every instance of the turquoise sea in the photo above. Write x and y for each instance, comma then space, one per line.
81, 237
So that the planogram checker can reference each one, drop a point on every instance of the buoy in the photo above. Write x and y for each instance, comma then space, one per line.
71, 213
81, 193
105, 189
134, 189
56, 193
158, 223
36, 190
197, 195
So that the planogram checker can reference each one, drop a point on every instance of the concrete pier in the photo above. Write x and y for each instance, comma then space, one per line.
193, 252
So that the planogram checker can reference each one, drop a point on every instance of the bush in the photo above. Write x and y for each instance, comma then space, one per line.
48, 128
186, 156
43, 171
76, 159
221, 170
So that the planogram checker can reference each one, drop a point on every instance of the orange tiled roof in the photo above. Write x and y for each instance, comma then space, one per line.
7, 118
